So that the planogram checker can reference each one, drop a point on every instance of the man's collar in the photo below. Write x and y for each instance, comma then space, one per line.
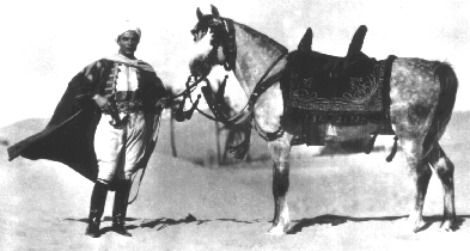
131, 62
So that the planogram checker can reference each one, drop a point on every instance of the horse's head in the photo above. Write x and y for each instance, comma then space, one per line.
214, 40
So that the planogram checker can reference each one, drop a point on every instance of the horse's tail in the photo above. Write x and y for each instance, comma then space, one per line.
449, 84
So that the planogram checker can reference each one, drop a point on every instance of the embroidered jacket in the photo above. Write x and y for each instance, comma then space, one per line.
68, 137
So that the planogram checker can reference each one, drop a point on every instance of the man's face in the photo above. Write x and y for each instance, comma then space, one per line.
128, 42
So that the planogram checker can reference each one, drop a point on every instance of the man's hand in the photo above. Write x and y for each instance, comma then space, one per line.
102, 102
163, 102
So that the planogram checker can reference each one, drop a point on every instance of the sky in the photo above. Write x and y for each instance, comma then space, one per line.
45, 43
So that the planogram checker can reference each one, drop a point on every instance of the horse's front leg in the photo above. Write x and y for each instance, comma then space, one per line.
280, 149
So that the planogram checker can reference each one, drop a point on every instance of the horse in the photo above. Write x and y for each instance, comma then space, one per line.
421, 98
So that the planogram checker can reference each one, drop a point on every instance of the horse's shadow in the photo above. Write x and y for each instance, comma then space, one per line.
161, 223
335, 220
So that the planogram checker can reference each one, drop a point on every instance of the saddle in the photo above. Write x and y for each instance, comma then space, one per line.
330, 72
346, 90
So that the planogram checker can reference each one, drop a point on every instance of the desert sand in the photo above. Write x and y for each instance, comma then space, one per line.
337, 202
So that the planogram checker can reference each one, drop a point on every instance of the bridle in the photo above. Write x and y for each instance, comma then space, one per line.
224, 36
229, 44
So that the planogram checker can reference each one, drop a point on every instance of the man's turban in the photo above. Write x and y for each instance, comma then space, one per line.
128, 26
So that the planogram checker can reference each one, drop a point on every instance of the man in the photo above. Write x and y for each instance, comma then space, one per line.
103, 127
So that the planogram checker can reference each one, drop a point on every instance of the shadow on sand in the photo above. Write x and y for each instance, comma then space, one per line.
161, 223
297, 226
335, 220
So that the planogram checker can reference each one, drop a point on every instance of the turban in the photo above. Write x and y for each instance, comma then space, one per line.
128, 26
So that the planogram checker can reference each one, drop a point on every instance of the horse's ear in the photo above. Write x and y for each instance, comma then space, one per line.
215, 11
199, 13
306, 41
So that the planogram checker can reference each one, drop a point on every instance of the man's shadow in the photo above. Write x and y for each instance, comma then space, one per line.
335, 220
161, 223
105, 219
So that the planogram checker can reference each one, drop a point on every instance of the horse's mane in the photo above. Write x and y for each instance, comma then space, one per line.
262, 37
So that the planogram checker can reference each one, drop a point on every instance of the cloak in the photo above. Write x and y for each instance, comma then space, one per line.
69, 135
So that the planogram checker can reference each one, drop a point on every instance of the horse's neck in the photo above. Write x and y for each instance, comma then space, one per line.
255, 54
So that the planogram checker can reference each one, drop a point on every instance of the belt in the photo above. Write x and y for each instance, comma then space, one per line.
129, 106
126, 96
128, 102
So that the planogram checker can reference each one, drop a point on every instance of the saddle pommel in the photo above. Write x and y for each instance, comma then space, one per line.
357, 41
305, 43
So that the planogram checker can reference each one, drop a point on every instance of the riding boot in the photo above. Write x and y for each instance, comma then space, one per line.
98, 199
121, 199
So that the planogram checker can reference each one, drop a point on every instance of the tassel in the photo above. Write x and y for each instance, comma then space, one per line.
189, 113
370, 144
219, 96
394, 150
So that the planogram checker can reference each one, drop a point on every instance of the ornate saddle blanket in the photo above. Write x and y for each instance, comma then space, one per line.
329, 89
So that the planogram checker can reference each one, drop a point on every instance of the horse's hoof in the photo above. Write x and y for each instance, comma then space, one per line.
415, 225
448, 225
418, 226
278, 230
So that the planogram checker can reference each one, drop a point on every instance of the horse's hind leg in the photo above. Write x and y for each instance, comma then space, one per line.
421, 174
279, 150
445, 171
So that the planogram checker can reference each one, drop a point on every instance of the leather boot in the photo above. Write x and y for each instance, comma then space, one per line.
98, 199
121, 199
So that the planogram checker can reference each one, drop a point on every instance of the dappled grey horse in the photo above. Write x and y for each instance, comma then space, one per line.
418, 106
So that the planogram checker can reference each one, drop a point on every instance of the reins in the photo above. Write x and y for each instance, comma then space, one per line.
197, 109
189, 89
262, 85
227, 40
245, 113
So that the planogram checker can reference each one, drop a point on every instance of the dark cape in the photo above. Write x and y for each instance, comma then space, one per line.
69, 135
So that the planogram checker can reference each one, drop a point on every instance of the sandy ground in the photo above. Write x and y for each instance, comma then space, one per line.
341, 202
